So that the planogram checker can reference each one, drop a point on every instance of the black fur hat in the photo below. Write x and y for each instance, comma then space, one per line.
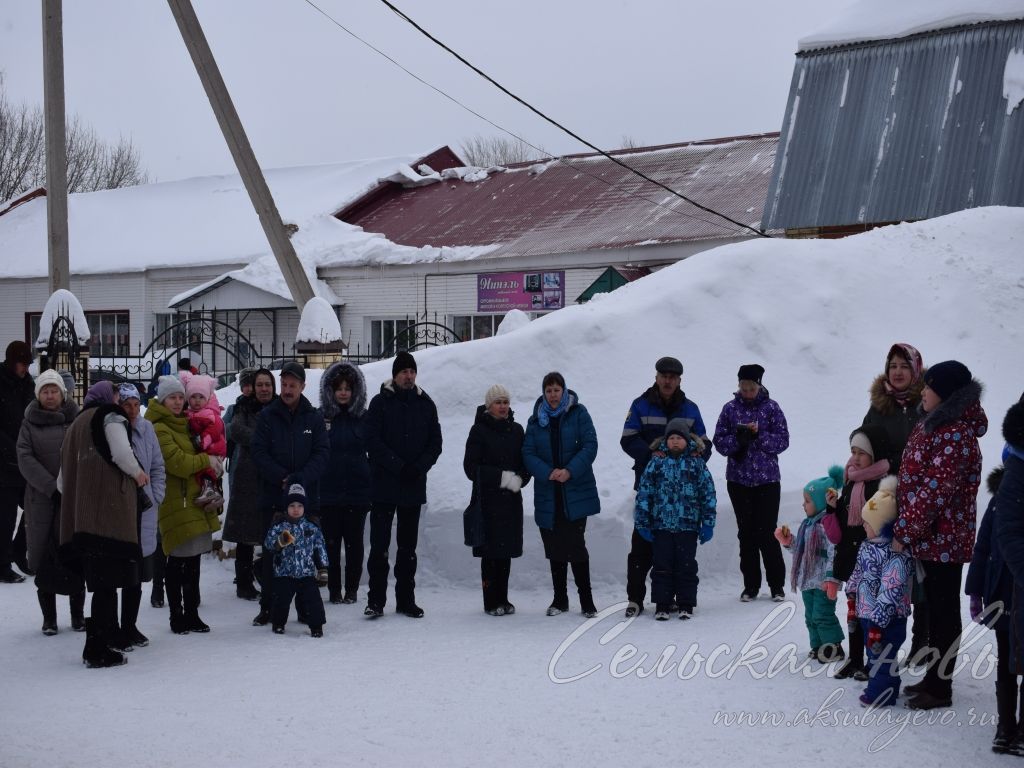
1013, 425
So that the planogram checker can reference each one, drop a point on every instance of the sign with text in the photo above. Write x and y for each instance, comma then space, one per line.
528, 291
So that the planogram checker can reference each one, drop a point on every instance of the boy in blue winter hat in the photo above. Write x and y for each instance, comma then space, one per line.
300, 564
675, 507
812, 568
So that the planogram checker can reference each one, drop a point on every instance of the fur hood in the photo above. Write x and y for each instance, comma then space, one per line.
1013, 425
357, 405
37, 415
995, 477
885, 403
964, 403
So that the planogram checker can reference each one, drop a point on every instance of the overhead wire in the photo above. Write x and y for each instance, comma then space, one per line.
540, 150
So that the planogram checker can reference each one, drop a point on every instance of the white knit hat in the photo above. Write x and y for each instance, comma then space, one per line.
167, 386
51, 377
496, 392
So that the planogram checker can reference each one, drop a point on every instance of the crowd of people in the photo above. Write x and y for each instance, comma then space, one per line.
115, 498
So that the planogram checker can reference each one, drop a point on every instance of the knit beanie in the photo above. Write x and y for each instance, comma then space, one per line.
51, 377
679, 427
496, 392
296, 493
880, 509
947, 377
167, 386
128, 391
816, 488
403, 360
752, 372
247, 376
203, 385
18, 352
1013, 425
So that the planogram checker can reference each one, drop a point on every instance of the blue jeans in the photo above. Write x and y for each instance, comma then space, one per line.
675, 568
883, 668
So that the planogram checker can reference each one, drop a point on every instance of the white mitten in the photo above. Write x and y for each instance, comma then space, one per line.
510, 481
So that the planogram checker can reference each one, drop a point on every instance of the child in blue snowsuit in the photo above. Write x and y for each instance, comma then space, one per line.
300, 565
880, 589
812, 568
675, 505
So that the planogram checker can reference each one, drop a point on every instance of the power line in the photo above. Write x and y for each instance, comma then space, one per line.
401, 14
527, 143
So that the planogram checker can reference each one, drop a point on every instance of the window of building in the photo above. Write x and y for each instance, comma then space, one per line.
468, 327
110, 332
384, 332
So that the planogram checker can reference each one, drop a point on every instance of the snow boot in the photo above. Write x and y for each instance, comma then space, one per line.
77, 603
581, 575
190, 596
172, 581
96, 653
245, 589
1006, 709
131, 599
560, 585
48, 605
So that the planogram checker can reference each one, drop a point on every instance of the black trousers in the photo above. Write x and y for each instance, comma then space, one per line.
381, 518
942, 591
344, 525
675, 568
308, 602
10, 499
494, 573
757, 515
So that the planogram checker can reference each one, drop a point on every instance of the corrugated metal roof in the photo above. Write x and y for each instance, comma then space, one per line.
585, 202
900, 130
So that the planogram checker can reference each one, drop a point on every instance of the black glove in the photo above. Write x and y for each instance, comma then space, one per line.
744, 435
409, 474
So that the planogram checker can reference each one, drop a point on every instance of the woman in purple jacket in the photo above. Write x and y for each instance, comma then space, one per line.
751, 433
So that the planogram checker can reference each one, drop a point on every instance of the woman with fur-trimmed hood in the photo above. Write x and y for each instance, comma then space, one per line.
895, 396
345, 485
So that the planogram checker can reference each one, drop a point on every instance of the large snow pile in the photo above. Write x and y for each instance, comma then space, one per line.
885, 20
318, 323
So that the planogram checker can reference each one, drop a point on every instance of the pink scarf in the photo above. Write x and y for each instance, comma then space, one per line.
858, 477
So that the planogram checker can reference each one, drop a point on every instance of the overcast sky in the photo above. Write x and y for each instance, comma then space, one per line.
658, 71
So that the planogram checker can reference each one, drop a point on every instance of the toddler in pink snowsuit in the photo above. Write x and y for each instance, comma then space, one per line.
207, 427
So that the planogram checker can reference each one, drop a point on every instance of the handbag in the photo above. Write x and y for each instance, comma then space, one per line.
473, 520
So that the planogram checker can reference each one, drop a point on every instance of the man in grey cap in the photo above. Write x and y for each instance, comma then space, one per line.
289, 446
648, 415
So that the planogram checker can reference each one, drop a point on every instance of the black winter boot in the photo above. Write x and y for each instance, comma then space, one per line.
560, 586
172, 580
48, 605
581, 575
131, 599
77, 603
245, 589
190, 595
1006, 709
96, 652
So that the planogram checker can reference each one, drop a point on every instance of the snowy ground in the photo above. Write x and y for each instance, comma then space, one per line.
456, 688
460, 687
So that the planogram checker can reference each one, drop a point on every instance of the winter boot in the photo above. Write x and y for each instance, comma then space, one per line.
172, 579
1006, 709
48, 605
96, 652
581, 575
77, 603
190, 595
245, 589
560, 586
131, 599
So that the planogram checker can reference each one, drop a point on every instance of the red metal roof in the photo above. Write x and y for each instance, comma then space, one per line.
584, 202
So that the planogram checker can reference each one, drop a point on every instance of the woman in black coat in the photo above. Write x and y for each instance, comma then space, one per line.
494, 462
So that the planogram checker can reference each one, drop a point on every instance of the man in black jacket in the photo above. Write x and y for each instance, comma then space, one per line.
289, 446
403, 438
16, 392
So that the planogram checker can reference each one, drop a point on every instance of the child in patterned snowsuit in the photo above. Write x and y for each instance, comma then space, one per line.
675, 506
812, 569
880, 591
300, 565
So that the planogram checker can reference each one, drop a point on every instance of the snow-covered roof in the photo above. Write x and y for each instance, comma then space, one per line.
867, 20
194, 222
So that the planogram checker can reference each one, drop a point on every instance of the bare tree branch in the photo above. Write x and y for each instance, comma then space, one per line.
484, 151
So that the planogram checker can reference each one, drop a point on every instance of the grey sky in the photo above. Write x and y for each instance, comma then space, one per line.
658, 71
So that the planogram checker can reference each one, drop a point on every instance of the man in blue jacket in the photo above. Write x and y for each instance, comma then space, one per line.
289, 447
648, 415
403, 439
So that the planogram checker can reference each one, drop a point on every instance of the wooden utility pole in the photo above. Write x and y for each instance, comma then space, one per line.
56, 152
231, 126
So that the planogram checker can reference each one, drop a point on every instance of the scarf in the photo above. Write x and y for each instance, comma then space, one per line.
858, 477
913, 357
807, 543
547, 412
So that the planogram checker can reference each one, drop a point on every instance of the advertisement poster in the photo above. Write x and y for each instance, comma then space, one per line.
528, 291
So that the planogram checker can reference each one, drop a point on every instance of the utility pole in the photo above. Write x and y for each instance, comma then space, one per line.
56, 152
252, 176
